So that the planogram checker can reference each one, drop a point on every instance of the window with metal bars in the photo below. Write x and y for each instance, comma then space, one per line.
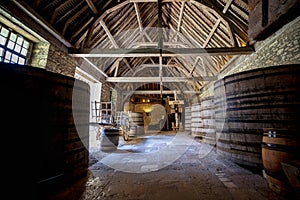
14, 48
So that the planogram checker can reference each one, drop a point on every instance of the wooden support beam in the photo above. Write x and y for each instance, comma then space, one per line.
195, 64
137, 11
154, 44
230, 31
153, 79
70, 20
95, 67
113, 41
158, 92
160, 43
92, 6
88, 23
180, 16
228, 18
211, 33
228, 3
36, 17
163, 1
148, 52
109, 35
152, 92
4, 20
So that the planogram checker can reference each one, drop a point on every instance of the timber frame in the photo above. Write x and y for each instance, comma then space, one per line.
166, 39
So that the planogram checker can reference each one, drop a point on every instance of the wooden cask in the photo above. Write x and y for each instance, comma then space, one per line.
279, 145
196, 120
47, 125
136, 123
207, 113
249, 101
187, 119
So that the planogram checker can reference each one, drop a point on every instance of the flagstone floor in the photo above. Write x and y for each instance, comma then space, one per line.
165, 166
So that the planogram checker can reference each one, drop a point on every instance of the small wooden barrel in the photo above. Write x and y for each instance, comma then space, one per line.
278, 145
196, 120
136, 123
207, 113
253, 100
187, 119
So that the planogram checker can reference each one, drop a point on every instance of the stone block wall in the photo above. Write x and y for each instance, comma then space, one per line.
281, 48
40, 54
60, 62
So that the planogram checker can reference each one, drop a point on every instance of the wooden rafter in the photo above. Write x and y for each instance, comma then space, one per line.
109, 35
153, 79
73, 18
211, 33
180, 16
111, 38
117, 52
137, 11
199, 28
226, 17
92, 6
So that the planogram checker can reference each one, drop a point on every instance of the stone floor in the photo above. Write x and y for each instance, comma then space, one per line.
163, 166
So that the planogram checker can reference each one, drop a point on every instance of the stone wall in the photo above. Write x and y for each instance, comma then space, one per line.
40, 54
60, 62
282, 48
105, 92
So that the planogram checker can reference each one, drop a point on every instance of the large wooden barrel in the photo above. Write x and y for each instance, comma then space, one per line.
279, 145
136, 123
253, 100
187, 119
196, 120
207, 113
47, 127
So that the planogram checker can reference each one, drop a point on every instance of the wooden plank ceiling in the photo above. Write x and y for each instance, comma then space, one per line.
184, 40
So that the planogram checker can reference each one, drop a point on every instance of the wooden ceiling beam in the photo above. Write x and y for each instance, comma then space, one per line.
84, 35
158, 92
153, 79
163, 1
40, 21
154, 44
92, 6
111, 38
230, 31
95, 67
195, 64
180, 16
130, 46
73, 18
228, 18
227, 6
146, 52
137, 11
109, 35
211, 33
